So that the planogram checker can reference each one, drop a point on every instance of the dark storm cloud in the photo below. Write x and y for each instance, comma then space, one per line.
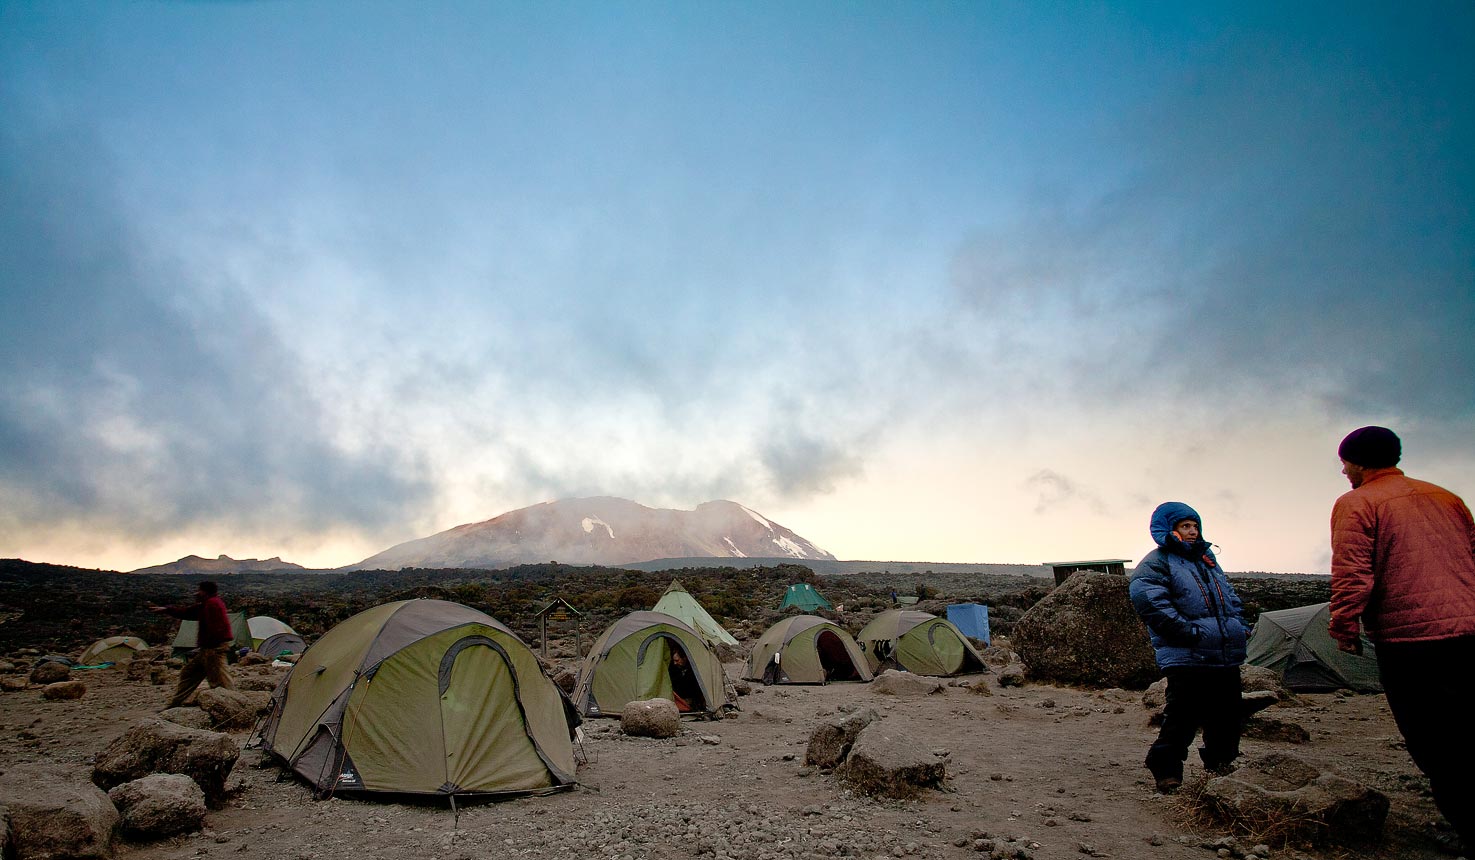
1302, 225
137, 399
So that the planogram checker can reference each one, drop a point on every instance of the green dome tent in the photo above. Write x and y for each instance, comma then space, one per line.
422, 697
918, 642
113, 649
631, 662
1295, 643
806, 650
677, 602
805, 597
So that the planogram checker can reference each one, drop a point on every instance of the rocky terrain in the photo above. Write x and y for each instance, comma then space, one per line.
1035, 771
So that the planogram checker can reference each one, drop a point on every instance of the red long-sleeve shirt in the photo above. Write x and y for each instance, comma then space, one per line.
213, 618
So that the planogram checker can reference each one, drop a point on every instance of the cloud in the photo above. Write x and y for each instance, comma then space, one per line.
1299, 226
139, 398
1054, 491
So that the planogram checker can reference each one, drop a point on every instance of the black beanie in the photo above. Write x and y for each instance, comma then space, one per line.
1371, 448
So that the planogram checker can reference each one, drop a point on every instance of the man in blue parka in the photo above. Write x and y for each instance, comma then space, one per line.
1193, 616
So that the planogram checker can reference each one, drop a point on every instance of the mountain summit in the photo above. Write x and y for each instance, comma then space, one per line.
600, 531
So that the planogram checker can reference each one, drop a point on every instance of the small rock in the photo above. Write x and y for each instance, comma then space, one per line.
64, 690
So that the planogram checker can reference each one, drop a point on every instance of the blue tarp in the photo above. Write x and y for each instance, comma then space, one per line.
971, 618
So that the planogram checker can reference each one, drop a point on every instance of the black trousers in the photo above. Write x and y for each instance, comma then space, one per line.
1429, 689
1199, 697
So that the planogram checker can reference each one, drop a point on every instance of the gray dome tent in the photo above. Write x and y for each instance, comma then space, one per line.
1295, 643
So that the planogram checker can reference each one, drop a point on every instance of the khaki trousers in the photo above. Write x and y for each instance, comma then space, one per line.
205, 664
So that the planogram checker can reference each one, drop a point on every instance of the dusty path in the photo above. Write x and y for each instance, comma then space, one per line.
1054, 772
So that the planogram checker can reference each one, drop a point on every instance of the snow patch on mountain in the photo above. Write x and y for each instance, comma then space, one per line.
757, 516
591, 522
789, 547
736, 553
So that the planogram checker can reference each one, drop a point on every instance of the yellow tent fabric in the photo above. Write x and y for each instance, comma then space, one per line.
422, 697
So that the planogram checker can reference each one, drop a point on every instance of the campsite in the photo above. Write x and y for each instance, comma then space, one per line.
1034, 770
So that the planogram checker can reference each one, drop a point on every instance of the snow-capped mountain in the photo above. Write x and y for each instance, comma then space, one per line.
601, 531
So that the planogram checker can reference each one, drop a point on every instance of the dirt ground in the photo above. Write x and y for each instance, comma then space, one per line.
1037, 772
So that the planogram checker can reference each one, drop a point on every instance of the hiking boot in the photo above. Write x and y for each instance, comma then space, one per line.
1254, 703
1169, 784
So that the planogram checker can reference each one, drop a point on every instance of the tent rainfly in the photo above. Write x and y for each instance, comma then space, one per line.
918, 642
422, 697
1295, 642
806, 649
631, 661
805, 597
677, 602
971, 619
263, 627
113, 649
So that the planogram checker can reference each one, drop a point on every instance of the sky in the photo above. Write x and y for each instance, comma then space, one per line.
923, 281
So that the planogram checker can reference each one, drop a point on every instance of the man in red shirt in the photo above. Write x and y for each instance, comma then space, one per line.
207, 661
1403, 564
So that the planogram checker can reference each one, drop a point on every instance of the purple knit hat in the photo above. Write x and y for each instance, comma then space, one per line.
1371, 448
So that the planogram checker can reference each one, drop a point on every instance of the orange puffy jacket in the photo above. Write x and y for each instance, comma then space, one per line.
1403, 560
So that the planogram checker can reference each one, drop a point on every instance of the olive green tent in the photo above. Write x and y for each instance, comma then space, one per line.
113, 649
805, 597
189, 634
631, 661
422, 697
678, 603
806, 650
918, 642
1295, 643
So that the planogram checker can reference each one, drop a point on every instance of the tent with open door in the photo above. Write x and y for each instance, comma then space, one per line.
1295, 643
917, 642
806, 649
677, 602
189, 632
422, 697
635, 659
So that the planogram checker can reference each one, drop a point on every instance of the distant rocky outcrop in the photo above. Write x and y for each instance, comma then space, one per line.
193, 565
600, 531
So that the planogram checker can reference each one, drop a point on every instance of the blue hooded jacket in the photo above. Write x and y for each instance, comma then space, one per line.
1179, 591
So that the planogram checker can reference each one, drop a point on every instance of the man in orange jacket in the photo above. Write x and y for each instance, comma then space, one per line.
1403, 563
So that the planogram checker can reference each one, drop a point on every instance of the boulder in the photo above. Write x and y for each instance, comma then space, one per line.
1086, 632
651, 718
997, 656
138, 669
1289, 796
1012, 675
830, 741
64, 690
1281, 731
159, 746
50, 672
566, 678
159, 805
53, 815
894, 682
14, 685
1258, 679
190, 718
6, 667
257, 683
882, 764
234, 709
253, 659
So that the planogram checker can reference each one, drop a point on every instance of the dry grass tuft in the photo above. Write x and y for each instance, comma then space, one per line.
1253, 822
